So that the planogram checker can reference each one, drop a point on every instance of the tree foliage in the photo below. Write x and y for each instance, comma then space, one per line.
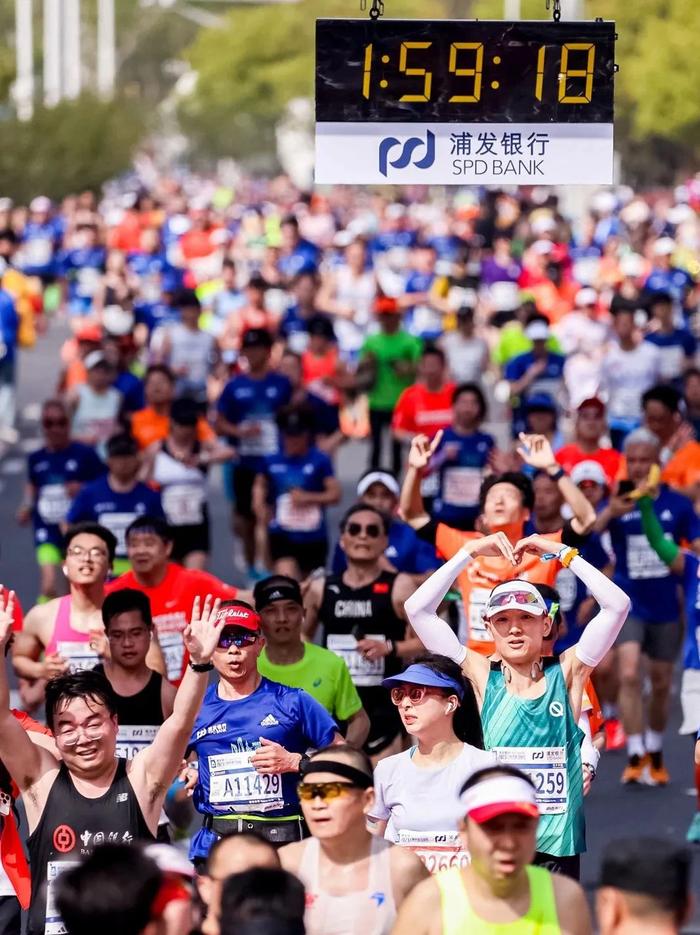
262, 58
75, 146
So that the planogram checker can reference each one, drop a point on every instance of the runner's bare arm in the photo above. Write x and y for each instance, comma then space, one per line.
154, 657
407, 871
153, 769
572, 909
312, 605
411, 506
167, 697
420, 912
357, 730
25, 761
29, 643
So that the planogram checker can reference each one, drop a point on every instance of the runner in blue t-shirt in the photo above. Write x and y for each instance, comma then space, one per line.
55, 474
82, 267
539, 371
406, 551
686, 565
461, 459
41, 239
653, 627
297, 485
677, 346
250, 737
247, 410
116, 500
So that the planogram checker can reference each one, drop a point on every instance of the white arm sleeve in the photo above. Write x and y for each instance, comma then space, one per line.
422, 605
589, 753
600, 634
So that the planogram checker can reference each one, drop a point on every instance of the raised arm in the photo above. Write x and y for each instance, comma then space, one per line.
536, 451
154, 768
411, 506
25, 761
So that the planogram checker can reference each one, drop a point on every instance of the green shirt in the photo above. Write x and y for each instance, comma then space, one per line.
387, 349
322, 674
513, 342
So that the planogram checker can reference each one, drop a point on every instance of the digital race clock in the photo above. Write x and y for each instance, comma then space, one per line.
462, 102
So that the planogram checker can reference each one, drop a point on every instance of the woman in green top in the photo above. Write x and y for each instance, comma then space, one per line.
499, 892
530, 703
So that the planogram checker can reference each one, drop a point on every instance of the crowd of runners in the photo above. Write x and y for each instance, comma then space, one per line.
390, 724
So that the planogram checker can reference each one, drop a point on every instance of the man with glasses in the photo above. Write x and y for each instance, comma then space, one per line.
55, 474
65, 629
364, 622
87, 795
354, 881
250, 737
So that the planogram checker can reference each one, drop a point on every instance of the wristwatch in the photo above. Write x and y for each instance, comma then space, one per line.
200, 666
559, 471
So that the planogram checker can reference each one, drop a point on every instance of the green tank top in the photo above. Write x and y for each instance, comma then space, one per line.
540, 737
458, 916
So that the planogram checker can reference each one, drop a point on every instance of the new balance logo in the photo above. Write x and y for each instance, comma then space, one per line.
269, 721
407, 150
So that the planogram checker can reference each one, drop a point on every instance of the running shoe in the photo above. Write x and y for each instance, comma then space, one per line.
634, 771
615, 737
693, 834
656, 771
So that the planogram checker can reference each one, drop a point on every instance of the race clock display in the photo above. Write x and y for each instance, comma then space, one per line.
464, 89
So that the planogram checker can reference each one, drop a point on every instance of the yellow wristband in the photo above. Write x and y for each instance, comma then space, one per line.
567, 557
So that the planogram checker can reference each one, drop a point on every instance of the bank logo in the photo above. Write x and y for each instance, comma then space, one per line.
408, 149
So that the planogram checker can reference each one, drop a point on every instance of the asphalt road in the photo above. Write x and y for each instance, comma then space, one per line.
612, 810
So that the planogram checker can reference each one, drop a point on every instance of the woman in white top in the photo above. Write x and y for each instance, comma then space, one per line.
417, 792
178, 467
95, 404
348, 293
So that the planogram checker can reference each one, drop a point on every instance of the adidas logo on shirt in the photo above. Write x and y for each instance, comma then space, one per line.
269, 721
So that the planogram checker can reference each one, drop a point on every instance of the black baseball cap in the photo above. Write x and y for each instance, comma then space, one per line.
296, 420
276, 588
321, 326
257, 337
653, 867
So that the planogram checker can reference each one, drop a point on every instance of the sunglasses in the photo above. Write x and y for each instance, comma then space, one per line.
371, 529
54, 423
415, 693
514, 597
226, 640
323, 790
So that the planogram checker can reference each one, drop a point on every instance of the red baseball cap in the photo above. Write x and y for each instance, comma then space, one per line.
502, 794
592, 402
238, 615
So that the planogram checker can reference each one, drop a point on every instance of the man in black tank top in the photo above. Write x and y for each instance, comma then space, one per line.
364, 622
89, 795
144, 698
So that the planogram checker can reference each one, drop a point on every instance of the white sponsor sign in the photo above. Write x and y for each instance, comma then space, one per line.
464, 153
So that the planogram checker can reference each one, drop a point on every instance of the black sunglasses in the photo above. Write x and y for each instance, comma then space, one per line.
371, 529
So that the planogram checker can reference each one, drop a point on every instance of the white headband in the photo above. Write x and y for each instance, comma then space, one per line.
503, 791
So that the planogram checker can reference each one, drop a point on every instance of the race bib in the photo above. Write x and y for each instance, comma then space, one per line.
235, 784
297, 518
79, 655
183, 504
363, 672
265, 443
426, 320
87, 281
118, 523
131, 738
477, 625
37, 252
439, 850
566, 584
173, 650
54, 924
546, 768
461, 486
642, 560
53, 504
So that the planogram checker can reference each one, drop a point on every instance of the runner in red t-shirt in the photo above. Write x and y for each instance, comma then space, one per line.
590, 427
425, 407
170, 588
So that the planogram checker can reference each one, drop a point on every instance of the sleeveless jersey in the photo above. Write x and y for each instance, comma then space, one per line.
70, 826
541, 737
72, 644
348, 613
139, 716
371, 911
459, 917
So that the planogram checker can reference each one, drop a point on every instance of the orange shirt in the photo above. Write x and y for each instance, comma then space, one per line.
683, 470
171, 607
418, 409
148, 426
483, 573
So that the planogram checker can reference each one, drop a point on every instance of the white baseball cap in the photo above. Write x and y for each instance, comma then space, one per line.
537, 331
40, 204
515, 595
500, 795
588, 471
378, 477
586, 296
664, 246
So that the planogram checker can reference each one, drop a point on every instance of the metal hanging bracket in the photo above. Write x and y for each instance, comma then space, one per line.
556, 11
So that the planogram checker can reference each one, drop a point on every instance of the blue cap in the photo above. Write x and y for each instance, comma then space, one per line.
540, 401
420, 674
